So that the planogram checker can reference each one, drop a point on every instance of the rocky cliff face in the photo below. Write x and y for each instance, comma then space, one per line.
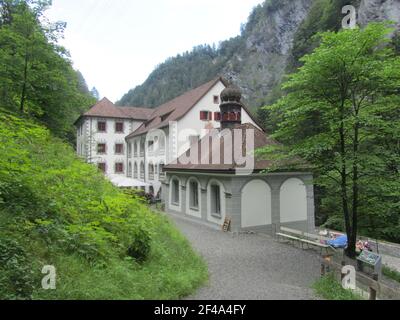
379, 10
268, 42
276, 35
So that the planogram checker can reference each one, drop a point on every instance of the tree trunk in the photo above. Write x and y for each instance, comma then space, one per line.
345, 201
24, 83
353, 237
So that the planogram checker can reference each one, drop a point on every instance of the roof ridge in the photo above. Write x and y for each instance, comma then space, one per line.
178, 105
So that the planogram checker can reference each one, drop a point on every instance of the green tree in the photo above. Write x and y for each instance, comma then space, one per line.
349, 85
36, 75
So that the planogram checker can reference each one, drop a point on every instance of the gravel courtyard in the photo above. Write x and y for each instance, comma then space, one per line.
251, 267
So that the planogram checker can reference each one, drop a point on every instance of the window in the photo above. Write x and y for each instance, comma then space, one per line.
101, 148
151, 146
161, 170
119, 127
119, 148
102, 167
205, 115
130, 169
129, 150
194, 195
142, 171
217, 116
136, 148
101, 126
135, 171
216, 99
151, 171
175, 192
142, 146
216, 200
161, 144
119, 167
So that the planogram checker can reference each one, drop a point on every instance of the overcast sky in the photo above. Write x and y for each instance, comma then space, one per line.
117, 43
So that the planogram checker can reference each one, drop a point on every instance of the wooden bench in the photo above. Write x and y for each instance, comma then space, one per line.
304, 238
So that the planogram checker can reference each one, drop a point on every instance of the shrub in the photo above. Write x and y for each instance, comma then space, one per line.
140, 247
16, 280
66, 203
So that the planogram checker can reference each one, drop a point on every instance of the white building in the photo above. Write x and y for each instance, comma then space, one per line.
149, 148
101, 134
135, 142
189, 116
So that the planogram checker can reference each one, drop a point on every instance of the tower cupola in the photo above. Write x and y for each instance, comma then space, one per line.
231, 107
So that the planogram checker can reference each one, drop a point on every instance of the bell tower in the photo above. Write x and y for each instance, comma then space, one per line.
231, 107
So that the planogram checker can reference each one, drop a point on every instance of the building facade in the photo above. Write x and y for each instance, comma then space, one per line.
235, 192
171, 130
156, 148
101, 135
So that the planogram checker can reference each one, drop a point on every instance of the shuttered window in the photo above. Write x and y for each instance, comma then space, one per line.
217, 116
101, 148
101, 126
119, 167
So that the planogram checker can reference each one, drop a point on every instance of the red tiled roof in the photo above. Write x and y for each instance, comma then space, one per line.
159, 117
105, 108
260, 140
175, 109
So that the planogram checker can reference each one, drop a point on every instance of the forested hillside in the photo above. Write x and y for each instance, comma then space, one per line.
276, 35
36, 75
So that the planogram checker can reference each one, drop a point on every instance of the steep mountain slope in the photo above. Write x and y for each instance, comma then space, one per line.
278, 33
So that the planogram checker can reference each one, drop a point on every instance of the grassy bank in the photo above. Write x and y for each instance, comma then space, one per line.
105, 244
330, 289
172, 271
391, 273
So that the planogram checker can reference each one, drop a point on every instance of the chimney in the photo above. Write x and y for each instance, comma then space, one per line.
231, 107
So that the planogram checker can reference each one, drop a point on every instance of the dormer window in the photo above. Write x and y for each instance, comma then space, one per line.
119, 127
165, 116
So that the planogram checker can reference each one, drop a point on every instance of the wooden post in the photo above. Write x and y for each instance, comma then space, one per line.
372, 290
322, 269
341, 272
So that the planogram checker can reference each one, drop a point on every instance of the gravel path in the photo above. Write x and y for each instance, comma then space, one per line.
251, 267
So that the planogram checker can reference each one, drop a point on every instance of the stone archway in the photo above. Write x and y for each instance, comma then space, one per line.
256, 204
